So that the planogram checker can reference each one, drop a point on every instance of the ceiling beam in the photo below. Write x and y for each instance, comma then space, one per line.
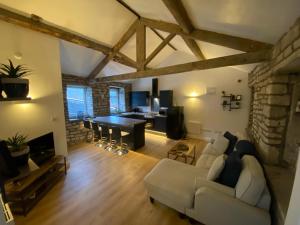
162, 38
232, 60
159, 48
36, 23
179, 13
139, 16
234, 42
126, 36
125, 60
140, 46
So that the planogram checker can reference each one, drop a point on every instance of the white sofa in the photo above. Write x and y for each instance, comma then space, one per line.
186, 189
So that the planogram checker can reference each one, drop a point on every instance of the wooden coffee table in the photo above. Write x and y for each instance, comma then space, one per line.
176, 152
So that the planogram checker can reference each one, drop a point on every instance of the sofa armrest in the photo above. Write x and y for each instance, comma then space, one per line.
215, 207
202, 182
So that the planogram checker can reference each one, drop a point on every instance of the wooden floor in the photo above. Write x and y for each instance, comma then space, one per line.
102, 188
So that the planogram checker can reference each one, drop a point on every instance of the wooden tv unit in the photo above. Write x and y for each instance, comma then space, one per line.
22, 194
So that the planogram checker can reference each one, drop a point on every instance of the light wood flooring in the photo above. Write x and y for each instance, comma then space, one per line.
105, 189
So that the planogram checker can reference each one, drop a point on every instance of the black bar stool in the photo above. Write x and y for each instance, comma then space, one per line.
88, 127
96, 131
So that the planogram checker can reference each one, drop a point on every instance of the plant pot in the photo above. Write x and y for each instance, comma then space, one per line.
21, 157
15, 87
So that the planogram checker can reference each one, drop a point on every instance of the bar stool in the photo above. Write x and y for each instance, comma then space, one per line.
112, 145
88, 127
96, 132
123, 146
102, 142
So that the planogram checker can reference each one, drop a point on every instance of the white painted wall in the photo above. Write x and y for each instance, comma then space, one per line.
205, 112
293, 217
45, 112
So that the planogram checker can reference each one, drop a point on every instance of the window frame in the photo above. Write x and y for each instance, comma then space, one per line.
85, 100
118, 110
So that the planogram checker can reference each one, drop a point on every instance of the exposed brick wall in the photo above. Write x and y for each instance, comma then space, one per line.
76, 133
271, 97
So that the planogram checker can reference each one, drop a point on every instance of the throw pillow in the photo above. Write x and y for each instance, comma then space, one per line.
231, 172
244, 147
216, 168
232, 141
220, 145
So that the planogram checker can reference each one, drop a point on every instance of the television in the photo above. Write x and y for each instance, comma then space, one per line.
42, 148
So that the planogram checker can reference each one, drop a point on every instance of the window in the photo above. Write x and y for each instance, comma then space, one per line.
80, 102
117, 99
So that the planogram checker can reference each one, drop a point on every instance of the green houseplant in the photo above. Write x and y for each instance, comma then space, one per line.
12, 82
19, 149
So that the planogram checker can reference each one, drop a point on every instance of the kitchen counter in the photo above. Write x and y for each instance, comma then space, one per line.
135, 128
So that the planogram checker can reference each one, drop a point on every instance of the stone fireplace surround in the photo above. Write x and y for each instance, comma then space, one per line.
272, 84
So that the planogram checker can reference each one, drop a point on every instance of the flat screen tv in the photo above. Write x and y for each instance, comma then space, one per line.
42, 148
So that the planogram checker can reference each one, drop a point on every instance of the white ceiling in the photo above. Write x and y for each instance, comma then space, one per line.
106, 21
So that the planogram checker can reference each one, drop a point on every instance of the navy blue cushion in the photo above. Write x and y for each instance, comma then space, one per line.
244, 147
232, 170
232, 141
8, 168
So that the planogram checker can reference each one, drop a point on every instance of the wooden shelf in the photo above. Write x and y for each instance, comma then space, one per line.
23, 194
14, 99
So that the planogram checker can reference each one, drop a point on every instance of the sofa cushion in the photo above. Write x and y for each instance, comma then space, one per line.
231, 171
205, 161
216, 168
245, 147
232, 141
220, 144
173, 183
252, 181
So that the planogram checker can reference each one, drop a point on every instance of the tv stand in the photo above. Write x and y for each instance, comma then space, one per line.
24, 193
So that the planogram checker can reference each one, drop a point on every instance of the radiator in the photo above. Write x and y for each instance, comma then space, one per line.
6, 217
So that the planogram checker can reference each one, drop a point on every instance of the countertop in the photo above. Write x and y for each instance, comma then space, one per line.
118, 121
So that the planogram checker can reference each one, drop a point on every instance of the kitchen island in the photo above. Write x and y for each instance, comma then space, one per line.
135, 127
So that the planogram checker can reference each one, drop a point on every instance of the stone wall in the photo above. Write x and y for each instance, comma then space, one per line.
76, 133
272, 84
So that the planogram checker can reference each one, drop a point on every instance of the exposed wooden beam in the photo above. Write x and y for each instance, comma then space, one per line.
179, 13
38, 25
238, 43
232, 60
162, 38
140, 45
193, 46
126, 36
159, 48
125, 60
139, 16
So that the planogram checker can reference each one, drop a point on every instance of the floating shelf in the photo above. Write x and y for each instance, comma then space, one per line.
231, 102
14, 99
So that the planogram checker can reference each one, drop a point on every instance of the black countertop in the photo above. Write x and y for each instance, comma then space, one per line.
118, 121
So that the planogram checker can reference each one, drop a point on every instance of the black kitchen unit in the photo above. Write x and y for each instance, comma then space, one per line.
166, 98
139, 98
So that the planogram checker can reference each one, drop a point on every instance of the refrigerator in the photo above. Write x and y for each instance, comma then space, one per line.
175, 122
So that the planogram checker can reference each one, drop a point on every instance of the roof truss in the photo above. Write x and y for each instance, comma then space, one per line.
179, 13
257, 51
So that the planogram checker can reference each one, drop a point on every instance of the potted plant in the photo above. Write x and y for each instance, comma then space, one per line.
11, 80
19, 150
